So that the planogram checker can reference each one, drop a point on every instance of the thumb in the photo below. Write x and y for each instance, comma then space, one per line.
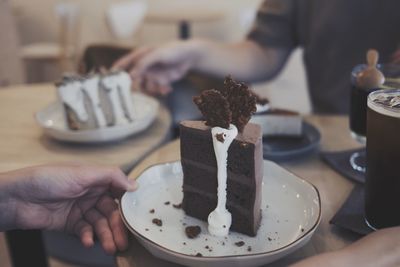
110, 176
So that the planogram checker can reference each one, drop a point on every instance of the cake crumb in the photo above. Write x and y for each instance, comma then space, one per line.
152, 211
249, 248
240, 244
199, 255
177, 206
269, 239
207, 247
220, 137
184, 243
160, 230
244, 144
167, 203
147, 229
302, 229
192, 231
157, 222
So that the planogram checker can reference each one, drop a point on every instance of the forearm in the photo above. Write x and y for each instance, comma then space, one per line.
245, 60
381, 248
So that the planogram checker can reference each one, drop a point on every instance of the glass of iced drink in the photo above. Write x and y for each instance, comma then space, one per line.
364, 79
382, 188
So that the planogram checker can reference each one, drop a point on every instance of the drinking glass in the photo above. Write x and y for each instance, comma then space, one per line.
358, 115
382, 188
358, 107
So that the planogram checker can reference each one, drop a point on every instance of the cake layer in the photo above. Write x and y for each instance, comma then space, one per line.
202, 178
196, 145
200, 206
244, 175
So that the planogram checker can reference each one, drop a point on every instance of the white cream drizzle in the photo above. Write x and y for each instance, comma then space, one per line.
91, 87
220, 220
72, 95
111, 85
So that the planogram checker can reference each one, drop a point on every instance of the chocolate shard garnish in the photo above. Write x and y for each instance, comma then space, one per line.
215, 108
242, 102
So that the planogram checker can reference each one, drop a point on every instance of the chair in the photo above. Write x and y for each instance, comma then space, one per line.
125, 18
63, 51
11, 69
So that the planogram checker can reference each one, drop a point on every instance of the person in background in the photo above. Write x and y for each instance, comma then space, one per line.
73, 198
335, 36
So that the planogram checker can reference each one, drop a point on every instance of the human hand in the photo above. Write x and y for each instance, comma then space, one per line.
72, 198
155, 69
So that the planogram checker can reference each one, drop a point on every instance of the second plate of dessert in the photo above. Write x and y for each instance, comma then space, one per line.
281, 148
52, 120
291, 212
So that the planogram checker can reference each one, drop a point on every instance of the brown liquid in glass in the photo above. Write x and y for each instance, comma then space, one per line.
382, 190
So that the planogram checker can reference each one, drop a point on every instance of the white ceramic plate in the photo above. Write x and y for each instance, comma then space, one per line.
291, 212
52, 120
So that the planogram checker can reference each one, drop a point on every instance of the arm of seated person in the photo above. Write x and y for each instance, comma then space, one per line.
381, 248
155, 69
66, 197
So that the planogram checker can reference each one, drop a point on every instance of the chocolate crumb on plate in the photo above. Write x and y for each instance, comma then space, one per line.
199, 255
240, 244
192, 231
302, 229
167, 203
177, 206
157, 222
249, 248
152, 211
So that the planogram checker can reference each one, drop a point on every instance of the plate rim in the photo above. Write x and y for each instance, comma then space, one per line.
291, 155
110, 129
271, 252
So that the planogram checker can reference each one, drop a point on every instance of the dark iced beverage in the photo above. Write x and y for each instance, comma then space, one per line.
358, 106
382, 189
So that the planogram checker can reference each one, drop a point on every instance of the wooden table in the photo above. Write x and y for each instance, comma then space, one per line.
333, 189
23, 144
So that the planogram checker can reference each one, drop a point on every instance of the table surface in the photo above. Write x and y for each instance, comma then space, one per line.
333, 189
22, 142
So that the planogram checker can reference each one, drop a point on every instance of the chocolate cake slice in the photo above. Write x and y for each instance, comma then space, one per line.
222, 161
245, 173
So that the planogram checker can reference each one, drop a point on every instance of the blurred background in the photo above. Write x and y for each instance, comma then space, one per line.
48, 37
41, 39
